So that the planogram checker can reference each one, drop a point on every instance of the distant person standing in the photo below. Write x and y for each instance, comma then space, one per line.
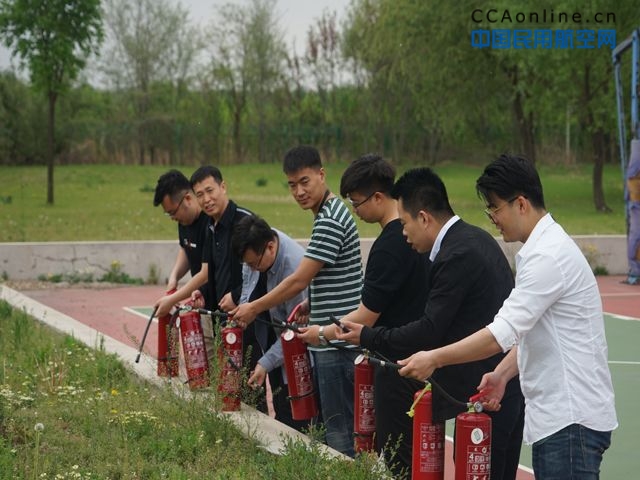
551, 324
332, 268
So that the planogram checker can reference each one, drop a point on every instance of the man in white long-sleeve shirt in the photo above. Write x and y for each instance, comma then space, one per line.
553, 326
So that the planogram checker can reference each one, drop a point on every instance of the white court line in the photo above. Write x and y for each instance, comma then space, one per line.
622, 362
621, 317
140, 314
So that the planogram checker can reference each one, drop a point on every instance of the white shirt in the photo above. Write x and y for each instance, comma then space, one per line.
443, 231
554, 316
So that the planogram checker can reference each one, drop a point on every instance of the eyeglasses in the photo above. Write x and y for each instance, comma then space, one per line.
255, 265
355, 205
491, 212
173, 212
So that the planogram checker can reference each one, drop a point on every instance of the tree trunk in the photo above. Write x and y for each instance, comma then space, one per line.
524, 125
598, 143
50, 145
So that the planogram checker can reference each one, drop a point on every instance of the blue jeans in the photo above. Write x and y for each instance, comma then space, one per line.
573, 453
335, 385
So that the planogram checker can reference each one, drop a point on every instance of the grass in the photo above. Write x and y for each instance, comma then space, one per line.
71, 412
113, 202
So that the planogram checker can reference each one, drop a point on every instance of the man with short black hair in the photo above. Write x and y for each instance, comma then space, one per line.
332, 268
551, 324
173, 191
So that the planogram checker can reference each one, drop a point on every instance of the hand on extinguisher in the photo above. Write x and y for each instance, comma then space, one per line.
491, 390
226, 303
197, 300
256, 380
310, 335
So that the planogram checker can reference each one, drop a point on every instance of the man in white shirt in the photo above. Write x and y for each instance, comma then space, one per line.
551, 324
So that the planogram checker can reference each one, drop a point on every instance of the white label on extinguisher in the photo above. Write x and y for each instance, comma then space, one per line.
431, 447
194, 350
367, 419
231, 338
477, 436
302, 370
478, 462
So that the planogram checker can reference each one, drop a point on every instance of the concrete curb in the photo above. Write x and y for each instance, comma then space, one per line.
268, 432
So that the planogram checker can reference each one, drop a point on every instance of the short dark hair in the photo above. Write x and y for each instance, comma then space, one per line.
250, 232
206, 171
368, 174
509, 176
421, 189
172, 183
302, 156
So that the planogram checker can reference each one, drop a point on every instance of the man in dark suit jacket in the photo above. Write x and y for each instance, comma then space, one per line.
468, 280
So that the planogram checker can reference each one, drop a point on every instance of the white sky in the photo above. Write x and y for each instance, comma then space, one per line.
295, 17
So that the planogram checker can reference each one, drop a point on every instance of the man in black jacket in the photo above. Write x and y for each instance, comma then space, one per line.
468, 280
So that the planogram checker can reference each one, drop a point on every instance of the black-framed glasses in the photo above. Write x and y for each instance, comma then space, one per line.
256, 265
173, 212
491, 212
355, 205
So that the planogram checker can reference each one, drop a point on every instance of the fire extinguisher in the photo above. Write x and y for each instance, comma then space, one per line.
195, 353
230, 357
428, 439
473, 443
297, 363
364, 415
168, 344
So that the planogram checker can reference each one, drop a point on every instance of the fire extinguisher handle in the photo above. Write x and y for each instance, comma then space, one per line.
293, 313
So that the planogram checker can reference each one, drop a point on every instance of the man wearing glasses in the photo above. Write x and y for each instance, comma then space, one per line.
173, 192
468, 279
270, 256
552, 325
393, 294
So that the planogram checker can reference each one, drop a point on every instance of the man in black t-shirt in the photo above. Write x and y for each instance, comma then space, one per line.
392, 295
173, 192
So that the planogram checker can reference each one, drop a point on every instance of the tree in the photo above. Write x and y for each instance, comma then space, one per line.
247, 64
149, 41
53, 38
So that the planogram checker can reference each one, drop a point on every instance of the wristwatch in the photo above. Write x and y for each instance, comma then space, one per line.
323, 341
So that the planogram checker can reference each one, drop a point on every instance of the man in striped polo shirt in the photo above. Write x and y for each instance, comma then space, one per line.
332, 268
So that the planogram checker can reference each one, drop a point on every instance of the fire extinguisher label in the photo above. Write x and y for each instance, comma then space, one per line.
194, 348
431, 447
302, 370
478, 462
367, 420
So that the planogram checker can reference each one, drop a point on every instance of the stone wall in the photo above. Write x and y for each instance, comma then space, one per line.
154, 259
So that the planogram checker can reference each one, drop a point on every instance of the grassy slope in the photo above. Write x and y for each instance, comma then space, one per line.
113, 202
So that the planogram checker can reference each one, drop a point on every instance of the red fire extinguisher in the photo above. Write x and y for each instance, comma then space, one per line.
230, 357
168, 344
428, 439
297, 363
473, 443
364, 414
195, 353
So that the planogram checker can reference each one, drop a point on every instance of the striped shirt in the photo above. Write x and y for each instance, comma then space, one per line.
335, 290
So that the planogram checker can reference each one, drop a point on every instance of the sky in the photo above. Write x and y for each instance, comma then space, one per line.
295, 17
